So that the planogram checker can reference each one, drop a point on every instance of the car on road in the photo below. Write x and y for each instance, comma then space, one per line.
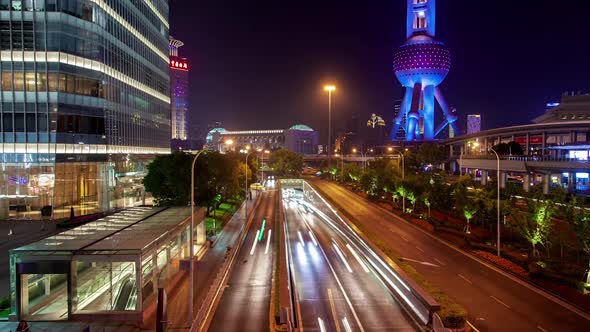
256, 186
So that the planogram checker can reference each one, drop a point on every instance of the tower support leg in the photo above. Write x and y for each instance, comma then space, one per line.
403, 112
429, 113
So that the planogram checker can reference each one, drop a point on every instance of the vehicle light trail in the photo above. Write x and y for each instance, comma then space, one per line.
301, 238
255, 243
267, 241
339, 252
322, 326
313, 238
347, 327
358, 258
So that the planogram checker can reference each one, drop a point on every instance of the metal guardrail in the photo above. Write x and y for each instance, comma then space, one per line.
522, 158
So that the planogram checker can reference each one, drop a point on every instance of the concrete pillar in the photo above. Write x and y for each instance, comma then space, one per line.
546, 179
155, 271
73, 289
24, 295
168, 263
502, 179
526, 182
180, 246
47, 284
139, 283
4, 211
201, 236
571, 182
484, 177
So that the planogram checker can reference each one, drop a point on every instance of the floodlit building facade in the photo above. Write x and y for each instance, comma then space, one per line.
473, 123
85, 102
298, 138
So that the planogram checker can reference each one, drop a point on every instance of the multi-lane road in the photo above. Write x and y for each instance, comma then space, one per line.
336, 285
245, 302
495, 301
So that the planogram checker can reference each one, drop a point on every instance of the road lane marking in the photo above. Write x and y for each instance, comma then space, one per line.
420, 249
358, 258
462, 277
356, 317
404, 238
333, 308
255, 243
440, 262
419, 262
322, 326
499, 301
267, 241
347, 327
315, 243
473, 327
337, 249
541, 328
301, 238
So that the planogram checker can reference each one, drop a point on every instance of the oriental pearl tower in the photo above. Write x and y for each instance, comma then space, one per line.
421, 64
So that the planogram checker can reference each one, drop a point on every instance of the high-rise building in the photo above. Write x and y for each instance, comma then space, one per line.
421, 65
473, 123
179, 85
85, 102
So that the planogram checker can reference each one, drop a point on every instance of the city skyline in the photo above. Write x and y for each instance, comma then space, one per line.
354, 45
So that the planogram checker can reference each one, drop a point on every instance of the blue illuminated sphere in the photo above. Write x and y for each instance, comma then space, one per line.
422, 60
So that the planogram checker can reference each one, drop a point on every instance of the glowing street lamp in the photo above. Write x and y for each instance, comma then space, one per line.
330, 88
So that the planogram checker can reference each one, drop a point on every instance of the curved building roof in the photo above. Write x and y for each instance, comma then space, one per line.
301, 127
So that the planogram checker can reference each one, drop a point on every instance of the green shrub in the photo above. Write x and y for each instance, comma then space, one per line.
4, 303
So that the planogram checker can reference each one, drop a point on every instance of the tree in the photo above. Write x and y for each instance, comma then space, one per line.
352, 172
535, 224
581, 226
512, 148
286, 162
169, 179
430, 154
469, 212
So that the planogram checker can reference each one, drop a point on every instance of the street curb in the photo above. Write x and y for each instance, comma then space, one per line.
523, 282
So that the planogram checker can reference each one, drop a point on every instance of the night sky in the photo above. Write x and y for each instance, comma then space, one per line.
262, 64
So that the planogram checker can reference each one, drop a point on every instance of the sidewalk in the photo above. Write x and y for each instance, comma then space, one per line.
205, 272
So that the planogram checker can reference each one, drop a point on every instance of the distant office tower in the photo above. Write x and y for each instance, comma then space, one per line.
473, 123
179, 86
398, 133
85, 103
420, 65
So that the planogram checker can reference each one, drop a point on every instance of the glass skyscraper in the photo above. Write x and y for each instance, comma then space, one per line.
85, 101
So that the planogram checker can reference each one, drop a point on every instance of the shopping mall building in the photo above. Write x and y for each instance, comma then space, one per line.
85, 103
556, 149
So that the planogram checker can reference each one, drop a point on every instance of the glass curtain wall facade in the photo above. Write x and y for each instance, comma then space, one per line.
85, 95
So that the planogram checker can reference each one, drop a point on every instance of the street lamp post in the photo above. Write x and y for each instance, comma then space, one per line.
330, 89
246, 176
192, 240
498, 198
